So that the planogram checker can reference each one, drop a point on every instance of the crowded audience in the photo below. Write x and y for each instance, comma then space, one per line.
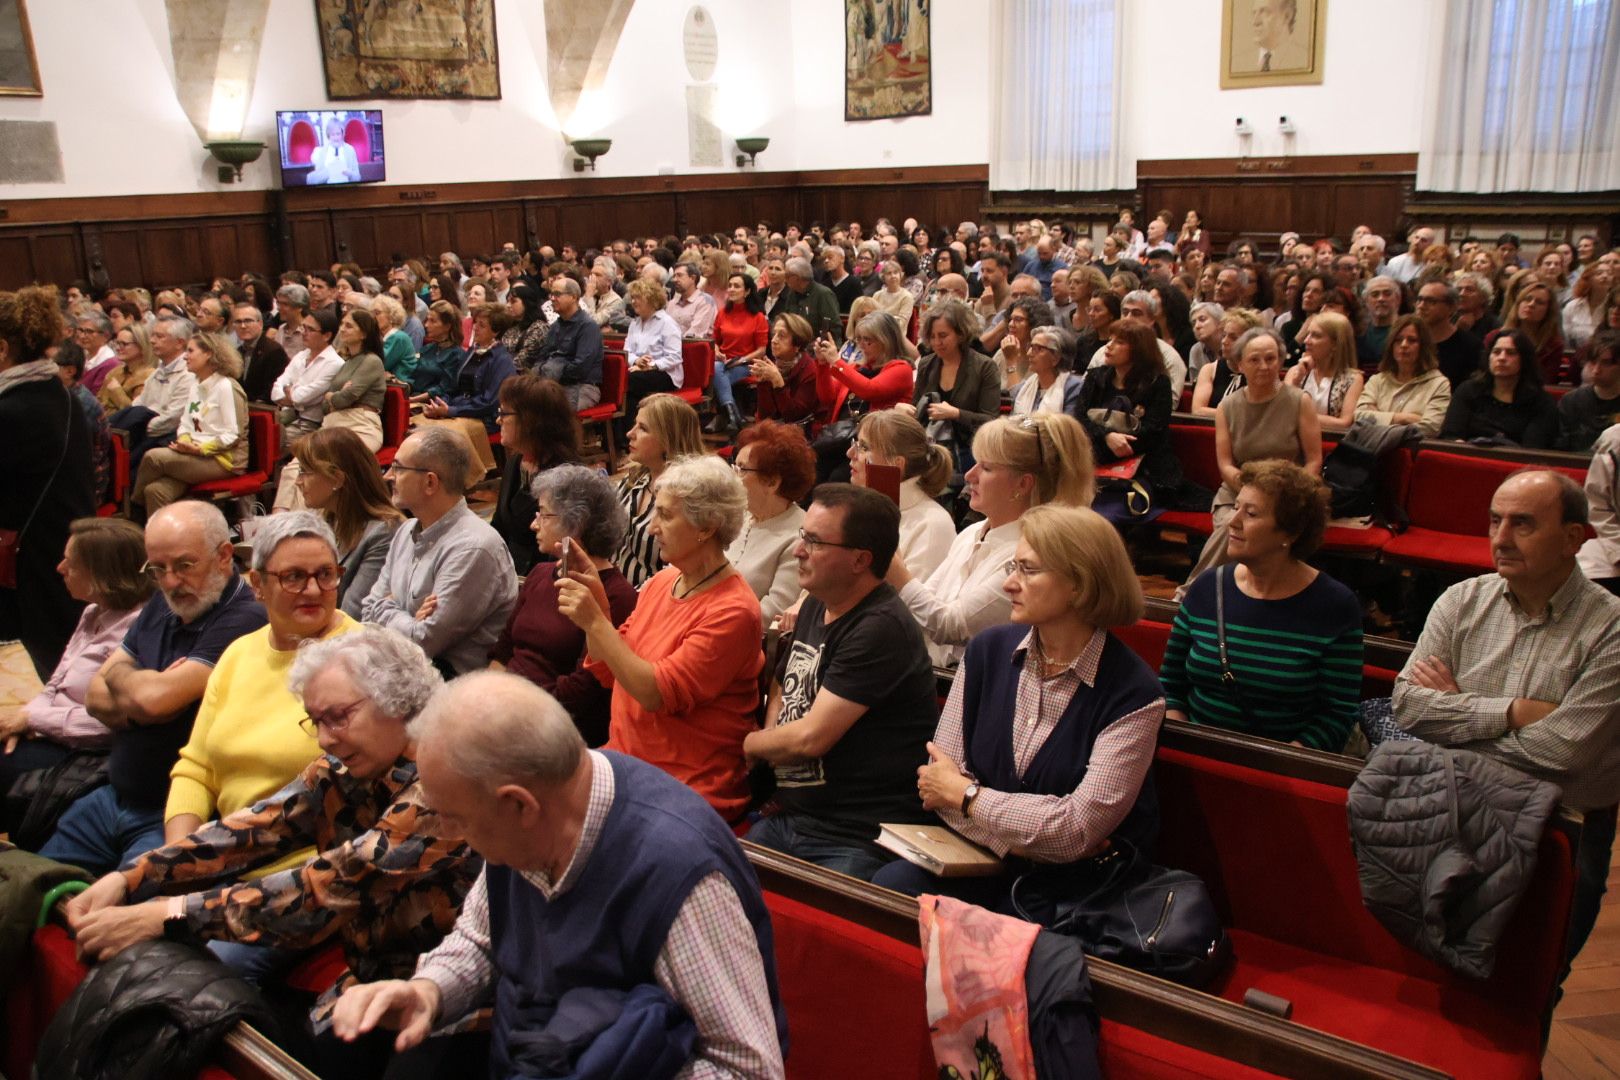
571, 658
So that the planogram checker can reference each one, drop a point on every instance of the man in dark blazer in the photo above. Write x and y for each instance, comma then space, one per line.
262, 359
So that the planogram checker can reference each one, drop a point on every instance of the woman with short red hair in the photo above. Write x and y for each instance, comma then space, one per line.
778, 469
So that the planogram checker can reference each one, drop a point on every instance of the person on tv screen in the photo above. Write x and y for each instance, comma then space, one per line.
333, 162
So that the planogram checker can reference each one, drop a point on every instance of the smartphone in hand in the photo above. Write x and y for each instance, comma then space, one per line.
565, 562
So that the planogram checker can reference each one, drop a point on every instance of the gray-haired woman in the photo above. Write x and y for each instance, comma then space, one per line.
579, 521
388, 880
685, 665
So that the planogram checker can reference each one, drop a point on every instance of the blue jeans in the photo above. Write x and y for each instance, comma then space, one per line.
991, 893
100, 834
779, 833
257, 964
726, 381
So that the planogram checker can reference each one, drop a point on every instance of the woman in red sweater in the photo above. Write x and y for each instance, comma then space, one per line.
684, 667
740, 331
882, 376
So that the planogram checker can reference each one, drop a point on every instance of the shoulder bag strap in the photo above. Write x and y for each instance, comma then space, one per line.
1228, 679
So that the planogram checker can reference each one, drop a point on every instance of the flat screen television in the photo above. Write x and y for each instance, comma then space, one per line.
331, 146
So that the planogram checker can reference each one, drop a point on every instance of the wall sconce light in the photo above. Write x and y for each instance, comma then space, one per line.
589, 150
234, 153
750, 148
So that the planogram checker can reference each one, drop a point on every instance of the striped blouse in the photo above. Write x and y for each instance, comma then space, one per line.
1296, 661
637, 557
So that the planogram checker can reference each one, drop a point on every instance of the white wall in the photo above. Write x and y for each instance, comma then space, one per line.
1370, 99
109, 87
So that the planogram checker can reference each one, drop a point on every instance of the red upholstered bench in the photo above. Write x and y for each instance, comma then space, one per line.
855, 1006
1194, 446
1449, 504
264, 441
396, 423
1275, 851
697, 365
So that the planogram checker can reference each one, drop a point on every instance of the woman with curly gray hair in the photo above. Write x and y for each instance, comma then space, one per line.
384, 877
684, 667
579, 522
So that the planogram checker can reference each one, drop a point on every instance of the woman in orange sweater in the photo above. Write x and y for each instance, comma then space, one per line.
684, 667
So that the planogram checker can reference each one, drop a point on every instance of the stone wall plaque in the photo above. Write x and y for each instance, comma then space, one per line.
700, 43
703, 134
29, 153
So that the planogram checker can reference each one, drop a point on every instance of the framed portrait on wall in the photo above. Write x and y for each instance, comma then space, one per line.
19, 70
409, 48
1272, 42
887, 69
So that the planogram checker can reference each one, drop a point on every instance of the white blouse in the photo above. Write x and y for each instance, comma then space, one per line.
964, 595
926, 531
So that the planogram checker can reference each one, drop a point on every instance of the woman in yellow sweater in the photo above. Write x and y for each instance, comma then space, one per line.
247, 742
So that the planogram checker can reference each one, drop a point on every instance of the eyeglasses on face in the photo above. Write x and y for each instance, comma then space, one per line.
295, 581
180, 568
1023, 569
814, 542
399, 466
336, 720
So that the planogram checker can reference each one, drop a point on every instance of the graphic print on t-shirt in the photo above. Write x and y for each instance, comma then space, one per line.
801, 680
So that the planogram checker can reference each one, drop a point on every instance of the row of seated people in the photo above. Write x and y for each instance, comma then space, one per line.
846, 738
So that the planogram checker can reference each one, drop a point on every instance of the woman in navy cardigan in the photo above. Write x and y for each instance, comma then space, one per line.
1043, 750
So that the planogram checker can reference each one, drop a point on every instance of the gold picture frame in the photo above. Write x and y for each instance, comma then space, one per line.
1272, 42
19, 67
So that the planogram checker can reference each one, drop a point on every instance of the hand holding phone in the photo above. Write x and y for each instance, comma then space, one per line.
565, 559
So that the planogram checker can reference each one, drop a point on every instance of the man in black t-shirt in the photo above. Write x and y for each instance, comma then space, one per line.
853, 704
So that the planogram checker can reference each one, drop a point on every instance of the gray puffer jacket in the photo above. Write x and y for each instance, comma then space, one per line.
1446, 841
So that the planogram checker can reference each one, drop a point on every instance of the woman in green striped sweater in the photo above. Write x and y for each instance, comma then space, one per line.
1292, 670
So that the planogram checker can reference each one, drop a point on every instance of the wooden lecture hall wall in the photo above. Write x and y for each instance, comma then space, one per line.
158, 240
182, 239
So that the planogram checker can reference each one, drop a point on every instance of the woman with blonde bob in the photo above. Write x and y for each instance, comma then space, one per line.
1018, 464
895, 439
684, 667
211, 442
666, 429
1327, 373
1044, 746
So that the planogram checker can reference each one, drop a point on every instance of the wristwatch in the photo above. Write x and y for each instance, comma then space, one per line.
968, 796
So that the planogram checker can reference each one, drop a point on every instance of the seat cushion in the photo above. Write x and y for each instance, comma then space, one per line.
1348, 541
1441, 550
1399, 1013
246, 484
1194, 521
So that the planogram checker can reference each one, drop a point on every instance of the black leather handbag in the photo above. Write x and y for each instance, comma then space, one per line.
1125, 910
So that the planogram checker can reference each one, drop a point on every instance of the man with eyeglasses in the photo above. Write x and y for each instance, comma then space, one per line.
571, 353
211, 315
448, 582
149, 690
852, 705
1459, 351
263, 360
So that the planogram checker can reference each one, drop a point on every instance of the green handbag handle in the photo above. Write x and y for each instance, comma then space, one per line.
67, 888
